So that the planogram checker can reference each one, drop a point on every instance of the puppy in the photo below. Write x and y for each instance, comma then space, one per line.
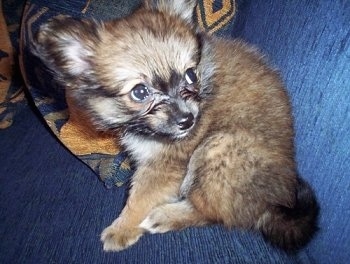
207, 123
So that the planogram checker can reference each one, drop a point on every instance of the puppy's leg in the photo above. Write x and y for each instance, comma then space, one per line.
231, 179
182, 214
172, 216
148, 191
178, 214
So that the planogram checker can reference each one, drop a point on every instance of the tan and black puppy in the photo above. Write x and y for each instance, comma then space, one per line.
205, 120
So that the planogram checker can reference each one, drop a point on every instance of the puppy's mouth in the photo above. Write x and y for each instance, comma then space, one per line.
181, 135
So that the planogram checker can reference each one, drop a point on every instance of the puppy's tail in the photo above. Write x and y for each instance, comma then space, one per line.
292, 228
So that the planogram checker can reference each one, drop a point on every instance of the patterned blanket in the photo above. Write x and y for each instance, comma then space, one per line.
11, 86
99, 151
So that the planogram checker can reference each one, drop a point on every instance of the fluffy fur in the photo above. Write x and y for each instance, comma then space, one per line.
206, 121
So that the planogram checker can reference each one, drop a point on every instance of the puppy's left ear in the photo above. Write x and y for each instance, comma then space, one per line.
181, 8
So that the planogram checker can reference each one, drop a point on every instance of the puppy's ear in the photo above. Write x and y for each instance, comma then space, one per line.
67, 46
182, 8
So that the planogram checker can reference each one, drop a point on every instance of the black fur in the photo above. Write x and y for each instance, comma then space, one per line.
292, 228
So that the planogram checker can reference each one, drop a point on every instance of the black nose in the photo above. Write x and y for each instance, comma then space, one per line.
185, 121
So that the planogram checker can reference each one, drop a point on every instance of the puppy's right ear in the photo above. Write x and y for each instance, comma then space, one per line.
67, 46
181, 8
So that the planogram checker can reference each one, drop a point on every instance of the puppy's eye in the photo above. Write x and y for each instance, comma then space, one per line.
139, 93
191, 76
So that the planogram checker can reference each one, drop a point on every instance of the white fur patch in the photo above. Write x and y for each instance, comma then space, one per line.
76, 53
148, 225
184, 8
105, 107
142, 150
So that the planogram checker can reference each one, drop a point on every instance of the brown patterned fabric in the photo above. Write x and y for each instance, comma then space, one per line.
214, 15
9, 95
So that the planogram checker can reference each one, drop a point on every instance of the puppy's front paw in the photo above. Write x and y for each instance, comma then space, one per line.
158, 221
117, 239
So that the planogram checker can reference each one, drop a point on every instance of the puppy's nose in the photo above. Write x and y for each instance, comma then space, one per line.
185, 121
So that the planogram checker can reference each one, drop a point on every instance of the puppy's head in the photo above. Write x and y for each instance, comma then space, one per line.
139, 73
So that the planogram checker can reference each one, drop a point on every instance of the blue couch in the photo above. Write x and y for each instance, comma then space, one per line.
53, 207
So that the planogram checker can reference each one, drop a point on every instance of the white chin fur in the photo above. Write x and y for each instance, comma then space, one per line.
141, 149
181, 135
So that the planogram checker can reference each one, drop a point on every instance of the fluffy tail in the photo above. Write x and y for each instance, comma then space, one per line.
292, 228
